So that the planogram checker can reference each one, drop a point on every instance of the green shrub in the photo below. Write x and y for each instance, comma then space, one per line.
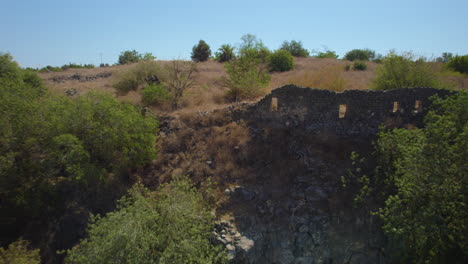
247, 78
129, 56
254, 49
225, 53
201, 52
138, 76
154, 94
327, 54
18, 252
359, 66
347, 67
402, 71
77, 66
171, 225
295, 48
459, 64
360, 54
419, 184
280, 61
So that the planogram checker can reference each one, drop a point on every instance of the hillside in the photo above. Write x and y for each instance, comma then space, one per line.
208, 92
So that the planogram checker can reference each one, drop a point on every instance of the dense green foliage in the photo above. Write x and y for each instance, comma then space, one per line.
360, 54
459, 63
201, 52
171, 225
420, 184
19, 252
359, 66
247, 74
51, 143
445, 57
402, 71
295, 48
154, 94
225, 53
280, 61
138, 76
129, 56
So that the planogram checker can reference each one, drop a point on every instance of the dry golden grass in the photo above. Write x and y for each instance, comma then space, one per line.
208, 92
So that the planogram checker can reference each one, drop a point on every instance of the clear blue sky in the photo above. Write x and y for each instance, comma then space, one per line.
56, 32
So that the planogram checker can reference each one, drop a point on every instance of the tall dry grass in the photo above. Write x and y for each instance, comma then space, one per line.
328, 78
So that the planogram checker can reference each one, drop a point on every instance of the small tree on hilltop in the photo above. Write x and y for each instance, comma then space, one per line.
201, 52
129, 56
225, 53
360, 54
295, 48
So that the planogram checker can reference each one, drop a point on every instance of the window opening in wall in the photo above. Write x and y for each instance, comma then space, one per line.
396, 107
418, 106
274, 104
342, 111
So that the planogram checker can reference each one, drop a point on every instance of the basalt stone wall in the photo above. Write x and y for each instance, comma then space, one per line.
350, 113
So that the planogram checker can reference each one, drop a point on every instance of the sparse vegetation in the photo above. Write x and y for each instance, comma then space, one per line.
327, 54
138, 76
201, 52
171, 225
295, 48
179, 76
281, 60
132, 56
328, 78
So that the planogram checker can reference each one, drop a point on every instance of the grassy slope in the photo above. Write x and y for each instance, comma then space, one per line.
208, 93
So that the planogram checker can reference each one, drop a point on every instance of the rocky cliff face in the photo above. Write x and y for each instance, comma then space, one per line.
277, 167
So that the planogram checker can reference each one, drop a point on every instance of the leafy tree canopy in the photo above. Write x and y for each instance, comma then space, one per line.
295, 48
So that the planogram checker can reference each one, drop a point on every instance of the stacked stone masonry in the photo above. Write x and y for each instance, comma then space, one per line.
350, 113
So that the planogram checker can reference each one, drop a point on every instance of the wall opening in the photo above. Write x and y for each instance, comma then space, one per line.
274, 104
418, 106
396, 107
342, 111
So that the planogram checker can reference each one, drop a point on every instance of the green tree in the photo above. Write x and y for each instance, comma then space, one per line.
459, 64
295, 48
253, 48
171, 225
201, 51
281, 60
148, 56
154, 94
225, 53
19, 252
402, 71
129, 56
138, 76
419, 183
360, 54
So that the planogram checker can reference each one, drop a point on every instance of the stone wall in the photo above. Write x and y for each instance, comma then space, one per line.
362, 112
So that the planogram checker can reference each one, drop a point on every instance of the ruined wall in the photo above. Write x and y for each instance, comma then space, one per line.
360, 114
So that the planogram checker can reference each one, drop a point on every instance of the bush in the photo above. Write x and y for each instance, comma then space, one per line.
295, 48
459, 64
280, 61
347, 67
19, 253
254, 49
360, 54
154, 94
327, 54
225, 53
138, 76
359, 66
401, 71
419, 183
201, 52
129, 56
179, 76
171, 225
